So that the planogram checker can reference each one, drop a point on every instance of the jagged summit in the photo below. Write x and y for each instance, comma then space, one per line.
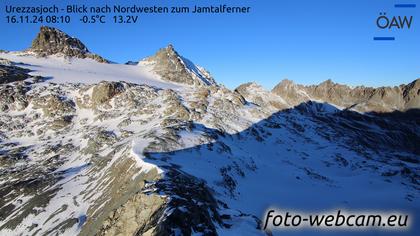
291, 92
173, 67
411, 94
51, 41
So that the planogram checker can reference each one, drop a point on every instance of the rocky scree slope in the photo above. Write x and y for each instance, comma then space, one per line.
120, 158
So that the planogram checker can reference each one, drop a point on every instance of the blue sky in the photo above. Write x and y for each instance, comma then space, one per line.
307, 41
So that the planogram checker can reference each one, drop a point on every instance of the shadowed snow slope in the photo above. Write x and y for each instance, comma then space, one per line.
312, 158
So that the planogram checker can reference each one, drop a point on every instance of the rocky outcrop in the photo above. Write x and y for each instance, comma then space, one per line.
172, 67
135, 214
54, 105
51, 41
10, 73
13, 98
100, 95
104, 91
191, 208
175, 109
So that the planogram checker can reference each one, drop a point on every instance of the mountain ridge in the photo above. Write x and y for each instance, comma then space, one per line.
360, 98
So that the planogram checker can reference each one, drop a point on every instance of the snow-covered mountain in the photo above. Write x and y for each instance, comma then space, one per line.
159, 148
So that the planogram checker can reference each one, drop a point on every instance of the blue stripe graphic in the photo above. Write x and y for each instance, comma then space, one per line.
383, 38
405, 5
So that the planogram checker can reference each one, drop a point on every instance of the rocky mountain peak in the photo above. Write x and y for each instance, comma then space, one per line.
327, 82
415, 84
284, 84
411, 94
51, 41
292, 93
171, 66
286, 81
170, 48
170, 53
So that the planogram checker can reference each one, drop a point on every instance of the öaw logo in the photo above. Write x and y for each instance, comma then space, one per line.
395, 22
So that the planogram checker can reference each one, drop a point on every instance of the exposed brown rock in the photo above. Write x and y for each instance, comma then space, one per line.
411, 95
173, 67
50, 41
105, 90
365, 99
54, 105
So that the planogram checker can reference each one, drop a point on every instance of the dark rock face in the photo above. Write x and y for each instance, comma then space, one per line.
132, 63
192, 205
12, 73
173, 67
50, 41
